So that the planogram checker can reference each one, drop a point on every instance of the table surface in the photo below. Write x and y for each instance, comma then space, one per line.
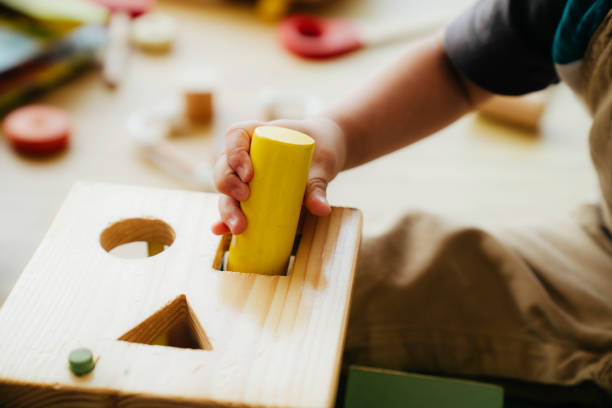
475, 170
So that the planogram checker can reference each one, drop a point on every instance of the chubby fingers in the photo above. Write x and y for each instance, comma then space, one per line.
228, 182
237, 146
232, 171
315, 198
232, 218
327, 160
233, 168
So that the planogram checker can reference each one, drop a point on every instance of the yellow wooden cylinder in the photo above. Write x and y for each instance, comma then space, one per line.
281, 160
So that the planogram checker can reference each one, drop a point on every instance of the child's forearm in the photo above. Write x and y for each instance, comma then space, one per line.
418, 95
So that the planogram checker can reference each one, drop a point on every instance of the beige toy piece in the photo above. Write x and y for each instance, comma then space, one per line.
153, 32
286, 104
523, 111
198, 87
245, 340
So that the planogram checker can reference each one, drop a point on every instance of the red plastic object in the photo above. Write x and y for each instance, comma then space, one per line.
318, 38
133, 7
37, 129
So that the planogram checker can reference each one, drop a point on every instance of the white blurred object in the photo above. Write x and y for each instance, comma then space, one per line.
117, 49
283, 104
154, 32
148, 128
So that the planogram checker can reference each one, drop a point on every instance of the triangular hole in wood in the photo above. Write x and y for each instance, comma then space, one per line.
174, 325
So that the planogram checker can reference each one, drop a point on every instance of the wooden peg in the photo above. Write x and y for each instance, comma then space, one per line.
281, 160
522, 111
199, 105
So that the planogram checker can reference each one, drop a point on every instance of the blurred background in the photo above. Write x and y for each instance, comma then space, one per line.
148, 89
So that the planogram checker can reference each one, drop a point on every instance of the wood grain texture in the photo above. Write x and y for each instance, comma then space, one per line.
271, 340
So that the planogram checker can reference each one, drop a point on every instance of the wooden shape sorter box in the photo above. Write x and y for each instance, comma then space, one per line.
257, 340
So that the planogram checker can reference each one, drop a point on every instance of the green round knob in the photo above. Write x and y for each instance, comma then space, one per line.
81, 361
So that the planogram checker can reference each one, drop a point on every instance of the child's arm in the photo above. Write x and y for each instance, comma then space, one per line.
418, 95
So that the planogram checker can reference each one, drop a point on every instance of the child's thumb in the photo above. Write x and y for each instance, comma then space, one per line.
315, 199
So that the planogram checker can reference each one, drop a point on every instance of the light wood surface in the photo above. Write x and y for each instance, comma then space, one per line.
476, 170
262, 340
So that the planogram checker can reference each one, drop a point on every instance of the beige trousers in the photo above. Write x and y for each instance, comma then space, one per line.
532, 303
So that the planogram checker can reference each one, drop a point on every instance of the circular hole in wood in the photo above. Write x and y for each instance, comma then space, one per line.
137, 238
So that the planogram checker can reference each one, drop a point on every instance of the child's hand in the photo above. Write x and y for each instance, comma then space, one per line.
233, 169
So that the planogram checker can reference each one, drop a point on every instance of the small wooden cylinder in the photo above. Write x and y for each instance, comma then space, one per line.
523, 111
281, 160
199, 105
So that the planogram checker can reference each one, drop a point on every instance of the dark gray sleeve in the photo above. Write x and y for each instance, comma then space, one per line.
505, 46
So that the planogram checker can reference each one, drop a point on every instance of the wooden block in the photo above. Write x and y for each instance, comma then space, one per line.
199, 105
523, 111
260, 340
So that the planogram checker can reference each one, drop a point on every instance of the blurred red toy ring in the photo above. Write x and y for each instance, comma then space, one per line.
318, 38
37, 129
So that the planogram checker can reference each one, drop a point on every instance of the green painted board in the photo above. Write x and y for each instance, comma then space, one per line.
371, 387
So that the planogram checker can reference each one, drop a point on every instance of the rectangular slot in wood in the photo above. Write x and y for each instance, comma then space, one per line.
220, 259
